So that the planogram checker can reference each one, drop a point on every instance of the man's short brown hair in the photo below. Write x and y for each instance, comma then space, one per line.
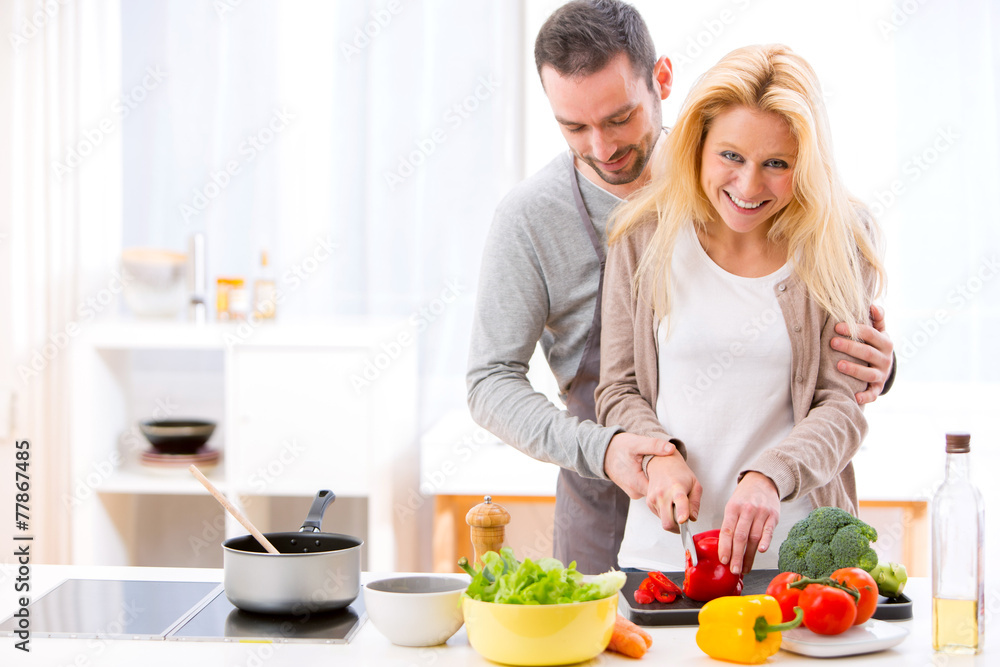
583, 36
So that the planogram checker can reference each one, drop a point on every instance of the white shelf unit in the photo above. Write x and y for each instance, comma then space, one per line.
299, 408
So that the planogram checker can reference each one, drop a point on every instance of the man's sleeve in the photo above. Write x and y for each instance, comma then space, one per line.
510, 315
892, 376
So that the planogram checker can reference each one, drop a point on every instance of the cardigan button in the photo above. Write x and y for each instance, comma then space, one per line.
781, 288
798, 378
798, 328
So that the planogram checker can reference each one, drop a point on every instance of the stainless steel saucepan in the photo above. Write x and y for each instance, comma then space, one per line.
312, 572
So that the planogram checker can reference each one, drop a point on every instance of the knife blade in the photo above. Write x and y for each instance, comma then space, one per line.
686, 540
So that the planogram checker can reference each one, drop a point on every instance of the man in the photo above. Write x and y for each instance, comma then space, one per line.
542, 273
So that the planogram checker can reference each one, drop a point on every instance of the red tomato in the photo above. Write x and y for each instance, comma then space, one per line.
827, 610
787, 597
866, 586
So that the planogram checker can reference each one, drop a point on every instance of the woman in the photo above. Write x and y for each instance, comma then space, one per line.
725, 279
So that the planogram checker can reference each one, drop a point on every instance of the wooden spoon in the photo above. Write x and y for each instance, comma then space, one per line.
264, 542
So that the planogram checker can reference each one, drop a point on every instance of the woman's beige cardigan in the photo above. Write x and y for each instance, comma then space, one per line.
814, 459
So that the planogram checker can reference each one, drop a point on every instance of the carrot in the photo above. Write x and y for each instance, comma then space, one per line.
629, 639
625, 623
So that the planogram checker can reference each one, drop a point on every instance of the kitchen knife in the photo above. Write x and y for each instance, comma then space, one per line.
686, 540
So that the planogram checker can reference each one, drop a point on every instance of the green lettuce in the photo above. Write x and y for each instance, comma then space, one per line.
504, 579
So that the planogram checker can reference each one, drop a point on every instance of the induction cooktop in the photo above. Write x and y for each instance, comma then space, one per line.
174, 610
112, 609
219, 620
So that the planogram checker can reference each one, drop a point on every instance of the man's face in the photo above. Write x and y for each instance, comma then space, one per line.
610, 119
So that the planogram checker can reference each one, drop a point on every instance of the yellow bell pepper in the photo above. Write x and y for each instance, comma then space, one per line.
744, 629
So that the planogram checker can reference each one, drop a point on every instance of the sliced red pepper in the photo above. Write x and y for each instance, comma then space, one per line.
653, 588
665, 583
662, 588
643, 596
665, 597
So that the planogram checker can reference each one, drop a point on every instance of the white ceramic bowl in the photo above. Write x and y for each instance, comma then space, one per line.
416, 610
154, 281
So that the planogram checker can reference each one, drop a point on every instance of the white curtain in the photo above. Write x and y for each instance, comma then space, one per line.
60, 236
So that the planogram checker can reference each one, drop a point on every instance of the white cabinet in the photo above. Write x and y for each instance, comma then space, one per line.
299, 407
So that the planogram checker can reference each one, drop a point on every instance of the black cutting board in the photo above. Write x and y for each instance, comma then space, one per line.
683, 611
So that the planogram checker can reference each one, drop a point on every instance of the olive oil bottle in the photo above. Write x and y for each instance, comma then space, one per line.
958, 526
265, 291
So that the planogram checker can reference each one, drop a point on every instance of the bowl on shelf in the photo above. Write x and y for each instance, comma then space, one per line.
177, 436
176, 465
154, 281
540, 634
416, 610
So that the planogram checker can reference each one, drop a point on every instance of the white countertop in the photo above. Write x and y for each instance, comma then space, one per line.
670, 645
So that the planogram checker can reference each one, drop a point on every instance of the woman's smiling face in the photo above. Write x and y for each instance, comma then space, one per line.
746, 168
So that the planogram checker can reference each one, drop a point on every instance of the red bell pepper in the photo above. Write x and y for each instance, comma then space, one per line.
709, 579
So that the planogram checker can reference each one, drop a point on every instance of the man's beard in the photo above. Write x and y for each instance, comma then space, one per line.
632, 172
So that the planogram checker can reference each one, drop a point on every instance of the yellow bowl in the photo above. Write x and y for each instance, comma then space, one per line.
541, 634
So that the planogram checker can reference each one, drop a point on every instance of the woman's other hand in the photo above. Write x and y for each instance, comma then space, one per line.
749, 522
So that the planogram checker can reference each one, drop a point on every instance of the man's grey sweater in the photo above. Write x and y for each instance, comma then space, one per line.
538, 281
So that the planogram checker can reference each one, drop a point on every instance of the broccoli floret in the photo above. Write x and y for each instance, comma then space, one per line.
798, 530
819, 558
827, 540
824, 522
850, 547
792, 558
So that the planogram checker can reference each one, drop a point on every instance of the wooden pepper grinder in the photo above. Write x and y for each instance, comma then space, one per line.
486, 521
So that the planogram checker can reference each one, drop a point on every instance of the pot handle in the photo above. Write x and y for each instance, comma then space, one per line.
314, 519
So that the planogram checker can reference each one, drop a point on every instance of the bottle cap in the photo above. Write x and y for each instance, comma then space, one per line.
956, 443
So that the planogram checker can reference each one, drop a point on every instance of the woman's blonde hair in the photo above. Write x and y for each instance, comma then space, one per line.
829, 234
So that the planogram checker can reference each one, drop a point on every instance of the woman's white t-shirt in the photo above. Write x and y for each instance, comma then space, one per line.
724, 363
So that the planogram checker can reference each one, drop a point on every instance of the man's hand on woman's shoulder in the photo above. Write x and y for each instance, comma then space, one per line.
874, 349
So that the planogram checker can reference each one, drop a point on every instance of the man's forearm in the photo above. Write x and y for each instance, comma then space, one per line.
505, 403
